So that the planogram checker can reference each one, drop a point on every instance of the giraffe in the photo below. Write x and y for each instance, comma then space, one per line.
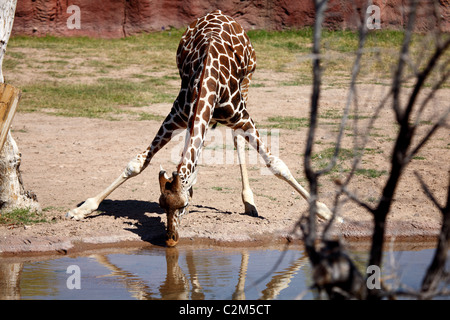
216, 61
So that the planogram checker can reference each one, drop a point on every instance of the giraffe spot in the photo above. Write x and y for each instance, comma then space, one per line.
224, 61
225, 95
220, 48
196, 129
201, 25
179, 119
206, 115
171, 126
223, 112
187, 156
223, 81
236, 99
235, 40
226, 28
193, 156
225, 72
239, 49
215, 63
213, 72
237, 28
211, 102
247, 126
203, 94
226, 37
233, 85
213, 51
215, 21
197, 143
224, 18
196, 55
211, 84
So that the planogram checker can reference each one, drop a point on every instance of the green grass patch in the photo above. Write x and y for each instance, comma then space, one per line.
21, 217
150, 116
222, 189
370, 173
291, 123
323, 158
107, 96
266, 196
327, 154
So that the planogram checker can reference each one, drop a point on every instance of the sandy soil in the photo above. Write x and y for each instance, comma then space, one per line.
66, 160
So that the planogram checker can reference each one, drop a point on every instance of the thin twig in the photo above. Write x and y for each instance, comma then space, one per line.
353, 197
427, 137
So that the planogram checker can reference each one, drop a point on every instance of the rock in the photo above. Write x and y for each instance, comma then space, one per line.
113, 18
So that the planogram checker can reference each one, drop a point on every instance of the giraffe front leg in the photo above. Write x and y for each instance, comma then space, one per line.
247, 194
89, 206
133, 168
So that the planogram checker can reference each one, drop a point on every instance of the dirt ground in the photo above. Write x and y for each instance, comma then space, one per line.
66, 160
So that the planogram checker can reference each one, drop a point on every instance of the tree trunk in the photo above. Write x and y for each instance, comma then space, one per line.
12, 192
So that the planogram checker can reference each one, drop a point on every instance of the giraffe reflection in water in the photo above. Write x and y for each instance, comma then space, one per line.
179, 286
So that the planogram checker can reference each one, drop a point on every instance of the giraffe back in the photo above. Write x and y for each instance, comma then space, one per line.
232, 58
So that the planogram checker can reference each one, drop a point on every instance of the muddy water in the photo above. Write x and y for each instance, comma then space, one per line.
183, 273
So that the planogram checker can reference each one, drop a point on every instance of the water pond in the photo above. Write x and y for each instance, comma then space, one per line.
183, 273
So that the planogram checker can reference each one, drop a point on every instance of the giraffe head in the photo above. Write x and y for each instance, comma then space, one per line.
174, 201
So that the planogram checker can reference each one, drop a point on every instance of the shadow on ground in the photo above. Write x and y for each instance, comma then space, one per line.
149, 228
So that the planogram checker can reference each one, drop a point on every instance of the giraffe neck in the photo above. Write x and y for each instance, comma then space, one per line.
204, 94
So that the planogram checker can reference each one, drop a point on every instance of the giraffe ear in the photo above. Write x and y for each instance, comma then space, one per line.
161, 170
163, 179
176, 181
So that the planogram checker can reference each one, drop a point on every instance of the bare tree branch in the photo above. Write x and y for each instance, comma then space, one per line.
430, 96
427, 137
350, 97
400, 157
427, 191
356, 200
331, 267
436, 270
422, 76
310, 236
397, 80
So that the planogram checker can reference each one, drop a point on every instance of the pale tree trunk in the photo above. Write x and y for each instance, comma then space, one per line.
12, 192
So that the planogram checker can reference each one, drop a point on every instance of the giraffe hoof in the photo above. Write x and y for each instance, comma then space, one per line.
323, 211
73, 215
250, 210
82, 211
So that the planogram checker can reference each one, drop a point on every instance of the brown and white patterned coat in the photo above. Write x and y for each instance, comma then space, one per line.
216, 60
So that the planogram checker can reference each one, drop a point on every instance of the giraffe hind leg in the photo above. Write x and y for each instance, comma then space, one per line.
277, 166
247, 194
